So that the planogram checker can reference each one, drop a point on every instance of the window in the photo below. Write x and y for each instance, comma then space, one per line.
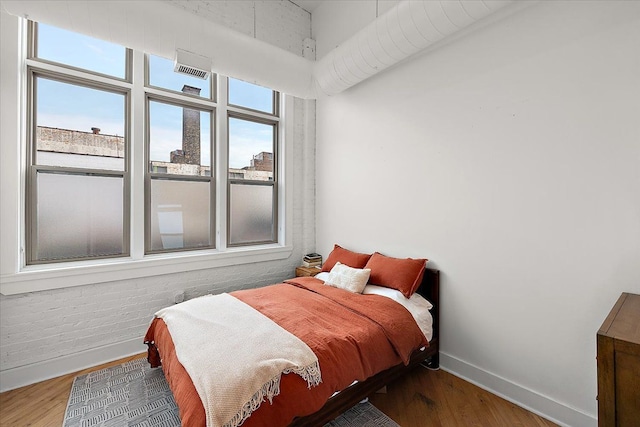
253, 97
75, 50
180, 191
253, 135
77, 205
84, 104
252, 197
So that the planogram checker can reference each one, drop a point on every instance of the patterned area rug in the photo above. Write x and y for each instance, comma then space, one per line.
135, 395
362, 415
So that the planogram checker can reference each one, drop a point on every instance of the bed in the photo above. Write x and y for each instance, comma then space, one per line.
343, 385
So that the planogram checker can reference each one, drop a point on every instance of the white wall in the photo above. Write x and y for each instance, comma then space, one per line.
44, 334
510, 157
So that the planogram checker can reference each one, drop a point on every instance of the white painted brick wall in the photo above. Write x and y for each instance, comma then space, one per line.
280, 23
40, 326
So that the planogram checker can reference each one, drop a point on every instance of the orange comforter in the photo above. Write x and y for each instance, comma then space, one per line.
354, 337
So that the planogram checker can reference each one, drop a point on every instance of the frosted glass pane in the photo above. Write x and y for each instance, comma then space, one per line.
77, 50
251, 150
179, 140
251, 218
244, 94
86, 133
79, 216
180, 215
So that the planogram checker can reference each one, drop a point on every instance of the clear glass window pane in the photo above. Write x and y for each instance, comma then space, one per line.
78, 216
80, 51
251, 96
161, 75
179, 140
251, 150
251, 214
180, 214
77, 126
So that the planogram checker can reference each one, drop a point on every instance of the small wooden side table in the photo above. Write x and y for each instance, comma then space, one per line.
307, 271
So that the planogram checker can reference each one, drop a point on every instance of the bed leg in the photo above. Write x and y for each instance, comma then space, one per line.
153, 357
432, 362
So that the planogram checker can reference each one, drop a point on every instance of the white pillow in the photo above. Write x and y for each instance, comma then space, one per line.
347, 278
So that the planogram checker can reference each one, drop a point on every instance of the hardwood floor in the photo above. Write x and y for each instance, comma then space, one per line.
437, 398
422, 398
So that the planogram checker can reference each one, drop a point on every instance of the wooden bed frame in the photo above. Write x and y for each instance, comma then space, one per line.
430, 289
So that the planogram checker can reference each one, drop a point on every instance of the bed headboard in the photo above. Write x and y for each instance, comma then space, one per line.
430, 289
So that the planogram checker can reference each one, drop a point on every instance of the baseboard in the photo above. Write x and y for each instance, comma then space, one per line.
530, 400
36, 372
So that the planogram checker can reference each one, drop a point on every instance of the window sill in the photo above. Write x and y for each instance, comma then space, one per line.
46, 277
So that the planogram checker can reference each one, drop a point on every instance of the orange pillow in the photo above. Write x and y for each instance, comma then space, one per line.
346, 257
404, 275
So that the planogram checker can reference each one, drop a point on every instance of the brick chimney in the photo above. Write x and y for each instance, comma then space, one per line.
95, 131
191, 130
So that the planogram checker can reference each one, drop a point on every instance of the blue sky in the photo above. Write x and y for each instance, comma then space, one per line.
68, 106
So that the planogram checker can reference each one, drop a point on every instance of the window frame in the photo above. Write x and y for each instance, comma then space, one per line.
31, 189
16, 277
32, 49
272, 183
275, 102
203, 105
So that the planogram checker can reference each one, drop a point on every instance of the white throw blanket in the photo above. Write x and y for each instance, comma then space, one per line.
235, 355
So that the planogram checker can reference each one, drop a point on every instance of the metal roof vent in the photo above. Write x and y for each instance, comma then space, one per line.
192, 64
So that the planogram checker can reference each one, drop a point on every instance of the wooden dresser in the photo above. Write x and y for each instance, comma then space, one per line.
618, 343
